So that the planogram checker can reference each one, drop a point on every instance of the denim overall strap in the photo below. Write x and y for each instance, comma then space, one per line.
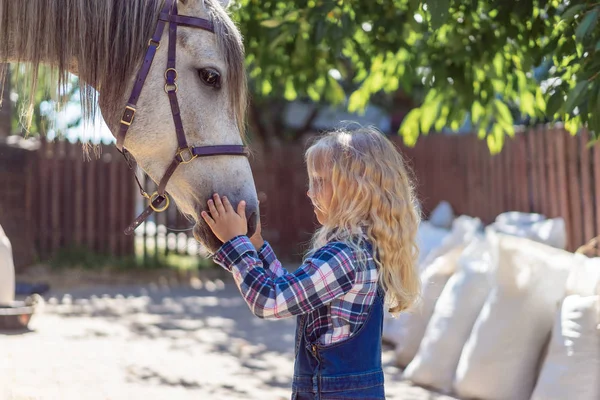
350, 369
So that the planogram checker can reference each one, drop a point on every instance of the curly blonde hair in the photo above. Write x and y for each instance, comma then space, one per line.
371, 191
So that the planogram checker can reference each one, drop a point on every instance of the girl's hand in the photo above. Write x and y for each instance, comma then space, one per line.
223, 220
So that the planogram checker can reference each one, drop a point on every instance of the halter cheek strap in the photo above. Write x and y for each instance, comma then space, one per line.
159, 200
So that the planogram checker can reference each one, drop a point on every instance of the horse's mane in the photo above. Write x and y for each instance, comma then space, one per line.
105, 40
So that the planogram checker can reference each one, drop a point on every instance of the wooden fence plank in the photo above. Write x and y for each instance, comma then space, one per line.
41, 185
552, 168
32, 212
596, 152
123, 208
57, 195
481, 179
562, 184
541, 157
488, 214
508, 187
586, 188
71, 152
532, 174
470, 174
113, 201
574, 191
90, 203
522, 173
492, 161
102, 175
78, 193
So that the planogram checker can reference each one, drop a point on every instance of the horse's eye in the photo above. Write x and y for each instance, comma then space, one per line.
210, 77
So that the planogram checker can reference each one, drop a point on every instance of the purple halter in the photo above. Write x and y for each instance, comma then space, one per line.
185, 153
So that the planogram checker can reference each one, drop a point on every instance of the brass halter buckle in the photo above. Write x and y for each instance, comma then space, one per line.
128, 115
186, 155
153, 197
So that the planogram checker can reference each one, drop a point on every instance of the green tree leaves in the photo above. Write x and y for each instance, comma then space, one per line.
500, 61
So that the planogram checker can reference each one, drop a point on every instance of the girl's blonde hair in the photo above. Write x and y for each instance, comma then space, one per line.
372, 190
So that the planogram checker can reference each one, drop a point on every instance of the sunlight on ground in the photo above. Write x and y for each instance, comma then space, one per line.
157, 342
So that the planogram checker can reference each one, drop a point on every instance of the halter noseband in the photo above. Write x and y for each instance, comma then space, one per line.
185, 153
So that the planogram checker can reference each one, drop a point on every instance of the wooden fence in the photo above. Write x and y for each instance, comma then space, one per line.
546, 171
16, 181
70, 201
80, 200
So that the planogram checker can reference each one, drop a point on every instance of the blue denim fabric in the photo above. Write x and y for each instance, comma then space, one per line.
350, 369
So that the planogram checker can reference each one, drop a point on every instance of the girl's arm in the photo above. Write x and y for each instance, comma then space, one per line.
270, 262
275, 293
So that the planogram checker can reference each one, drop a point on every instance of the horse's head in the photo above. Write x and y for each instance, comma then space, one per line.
211, 91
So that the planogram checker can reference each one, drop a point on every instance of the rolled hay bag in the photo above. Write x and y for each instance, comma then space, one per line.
571, 369
410, 325
501, 356
7, 270
453, 318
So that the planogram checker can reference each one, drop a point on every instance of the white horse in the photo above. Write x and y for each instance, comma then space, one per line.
104, 42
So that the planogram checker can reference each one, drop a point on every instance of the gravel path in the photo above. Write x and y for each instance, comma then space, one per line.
157, 342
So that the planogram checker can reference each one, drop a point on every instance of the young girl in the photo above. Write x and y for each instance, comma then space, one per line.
364, 251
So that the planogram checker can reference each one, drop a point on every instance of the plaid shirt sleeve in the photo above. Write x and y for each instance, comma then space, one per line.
270, 262
326, 275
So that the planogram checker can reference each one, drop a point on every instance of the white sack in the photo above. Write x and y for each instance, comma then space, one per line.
429, 238
584, 277
442, 215
410, 325
572, 367
534, 227
500, 358
464, 229
453, 318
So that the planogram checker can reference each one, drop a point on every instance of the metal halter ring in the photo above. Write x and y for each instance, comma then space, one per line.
153, 197
170, 88
167, 73
153, 43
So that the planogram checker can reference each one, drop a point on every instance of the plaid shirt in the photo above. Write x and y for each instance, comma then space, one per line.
330, 277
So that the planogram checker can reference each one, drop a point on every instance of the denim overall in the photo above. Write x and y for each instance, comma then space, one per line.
350, 369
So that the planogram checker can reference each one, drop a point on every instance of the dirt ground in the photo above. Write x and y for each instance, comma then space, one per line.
157, 341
